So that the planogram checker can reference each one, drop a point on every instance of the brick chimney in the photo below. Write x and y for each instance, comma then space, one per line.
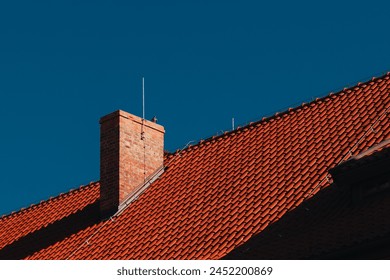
131, 149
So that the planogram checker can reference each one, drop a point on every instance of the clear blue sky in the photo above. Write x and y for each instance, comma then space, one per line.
64, 64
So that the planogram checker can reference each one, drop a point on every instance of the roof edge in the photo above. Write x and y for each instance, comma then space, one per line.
52, 198
279, 114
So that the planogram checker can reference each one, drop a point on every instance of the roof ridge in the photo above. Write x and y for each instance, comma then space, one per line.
252, 124
52, 198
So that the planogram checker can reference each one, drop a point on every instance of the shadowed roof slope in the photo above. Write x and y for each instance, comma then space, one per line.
327, 227
217, 194
34, 219
334, 224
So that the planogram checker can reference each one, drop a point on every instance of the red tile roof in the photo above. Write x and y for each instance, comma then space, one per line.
219, 193
332, 224
35, 217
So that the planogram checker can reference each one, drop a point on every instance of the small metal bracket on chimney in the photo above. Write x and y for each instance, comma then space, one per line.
139, 190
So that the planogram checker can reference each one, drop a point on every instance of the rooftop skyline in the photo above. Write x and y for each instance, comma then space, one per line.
64, 65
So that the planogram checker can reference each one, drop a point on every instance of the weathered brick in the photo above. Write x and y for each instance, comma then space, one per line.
126, 158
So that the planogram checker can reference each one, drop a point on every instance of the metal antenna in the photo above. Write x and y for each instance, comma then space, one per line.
143, 109
143, 97
143, 123
232, 123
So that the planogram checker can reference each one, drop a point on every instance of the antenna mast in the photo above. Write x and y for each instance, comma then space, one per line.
143, 98
143, 123
143, 109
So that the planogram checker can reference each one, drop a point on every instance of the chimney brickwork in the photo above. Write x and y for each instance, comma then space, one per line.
131, 149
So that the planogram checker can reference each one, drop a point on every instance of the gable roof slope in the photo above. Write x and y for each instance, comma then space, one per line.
216, 195
347, 220
16, 229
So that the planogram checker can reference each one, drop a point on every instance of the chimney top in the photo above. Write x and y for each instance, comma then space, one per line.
124, 114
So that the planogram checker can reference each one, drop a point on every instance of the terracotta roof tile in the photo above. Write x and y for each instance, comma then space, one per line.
330, 225
32, 219
217, 194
